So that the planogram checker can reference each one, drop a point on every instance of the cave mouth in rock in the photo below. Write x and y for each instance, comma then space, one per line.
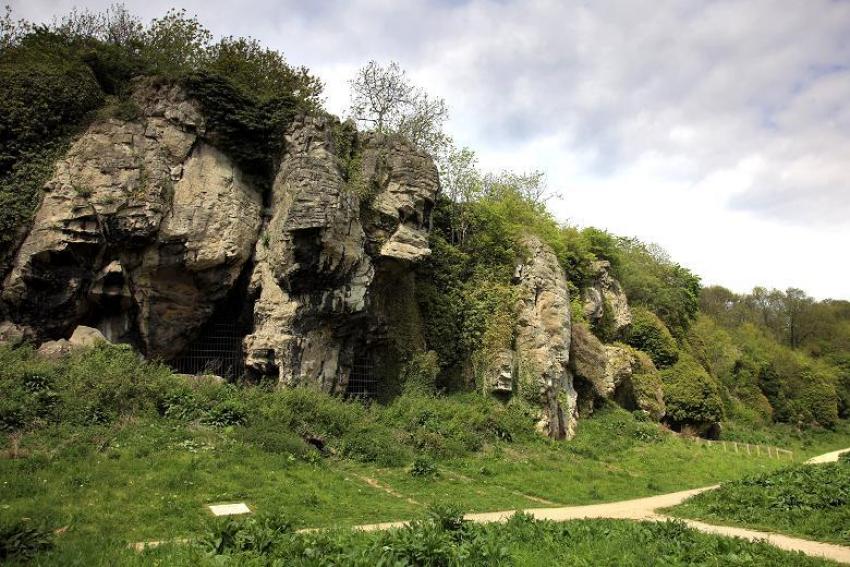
362, 381
218, 348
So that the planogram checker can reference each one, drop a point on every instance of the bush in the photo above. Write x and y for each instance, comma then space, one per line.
21, 541
90, 386
649, 334
423, 467
273, 438
374, 444
691, 395
420, 373
806, 500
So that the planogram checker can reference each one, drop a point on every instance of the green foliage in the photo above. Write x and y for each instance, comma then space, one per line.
442, 539
811, 501
424, 466
645, 385
273, 438
650, 335
47, 90
21, 541
247, 128
691, 395
420, 373
261, 71
651, 280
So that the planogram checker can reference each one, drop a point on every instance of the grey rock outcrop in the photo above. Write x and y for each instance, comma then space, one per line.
83, 337
542, 341
143, 227
606, 293
329, 252
616, 372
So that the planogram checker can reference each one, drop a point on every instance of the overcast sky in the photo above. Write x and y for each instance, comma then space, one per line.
718, 129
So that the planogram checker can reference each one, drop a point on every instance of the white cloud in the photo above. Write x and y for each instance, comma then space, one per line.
720, 130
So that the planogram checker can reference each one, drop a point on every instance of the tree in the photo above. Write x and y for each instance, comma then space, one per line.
531, 186
461, 182
384, 100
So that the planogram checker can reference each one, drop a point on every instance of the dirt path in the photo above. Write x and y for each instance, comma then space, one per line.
645, 509
636, 509
827, 457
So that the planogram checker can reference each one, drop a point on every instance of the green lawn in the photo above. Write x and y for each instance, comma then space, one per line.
809, 501
106, 450
151, 478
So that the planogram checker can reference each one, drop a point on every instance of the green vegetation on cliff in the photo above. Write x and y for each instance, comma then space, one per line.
55, 77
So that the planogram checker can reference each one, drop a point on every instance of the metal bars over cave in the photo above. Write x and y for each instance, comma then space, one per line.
218, 350
362, 383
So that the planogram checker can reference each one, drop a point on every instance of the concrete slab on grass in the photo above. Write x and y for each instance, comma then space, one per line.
229, 509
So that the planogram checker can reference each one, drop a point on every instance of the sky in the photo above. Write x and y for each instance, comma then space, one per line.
719, 130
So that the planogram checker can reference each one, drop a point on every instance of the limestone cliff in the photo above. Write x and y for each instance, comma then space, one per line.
333, 256
150, 234
143, 227
543, 338
604, 300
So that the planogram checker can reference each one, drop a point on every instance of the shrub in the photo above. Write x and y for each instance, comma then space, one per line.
273, 438
374, 444
420, 373
226, 413
649, 334
21, 541
691, 395
423, 467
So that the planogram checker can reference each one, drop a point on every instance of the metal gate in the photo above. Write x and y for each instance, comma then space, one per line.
362, 382
218, 350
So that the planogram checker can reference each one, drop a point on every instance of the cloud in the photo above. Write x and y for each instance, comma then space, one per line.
688, 118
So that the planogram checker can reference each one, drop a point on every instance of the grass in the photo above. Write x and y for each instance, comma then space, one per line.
809, 501
110, 450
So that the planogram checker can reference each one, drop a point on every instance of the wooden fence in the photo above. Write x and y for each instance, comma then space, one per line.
746, 448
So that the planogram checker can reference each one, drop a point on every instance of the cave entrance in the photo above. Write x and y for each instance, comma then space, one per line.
362, 382
217, 350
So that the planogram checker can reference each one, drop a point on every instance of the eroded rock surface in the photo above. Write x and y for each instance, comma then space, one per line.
143, 227
616, 372
542, 342
329, 249
606, 293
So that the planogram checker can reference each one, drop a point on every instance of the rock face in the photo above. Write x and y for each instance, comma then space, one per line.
542, 343
331, 253
142, 229
146, 232
614, 371
606, 294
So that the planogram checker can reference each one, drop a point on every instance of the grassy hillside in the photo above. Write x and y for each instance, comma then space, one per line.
103, 431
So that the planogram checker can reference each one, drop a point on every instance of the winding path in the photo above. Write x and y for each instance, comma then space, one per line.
642, 509
645, 509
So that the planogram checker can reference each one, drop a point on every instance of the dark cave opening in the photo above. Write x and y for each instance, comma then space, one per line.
362, 380
218, 349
